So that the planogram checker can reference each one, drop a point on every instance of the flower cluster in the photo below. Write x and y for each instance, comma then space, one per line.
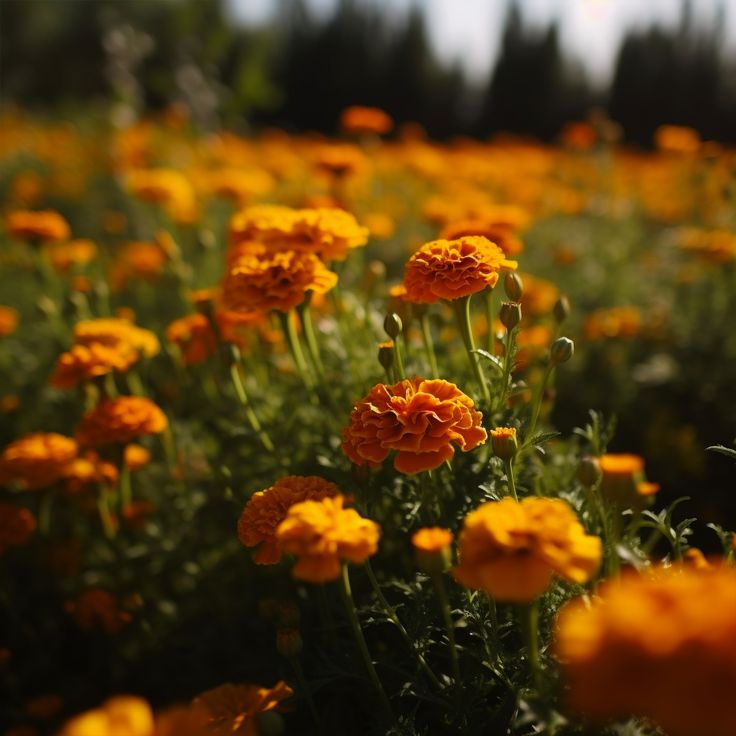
36, 460
120, 420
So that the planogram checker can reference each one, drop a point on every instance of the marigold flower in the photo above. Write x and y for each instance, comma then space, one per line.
89, 470
279, 282
47, 226
511, 549
267, 509
322, 534
36, 460
360, 119
136, 457
64, 256
8, 321
117, 333
232, 709
661, 646
419, 419
160, 186
623, 480
339, 160
504, 442
194, 337
124, 715
97, 608
137, 260
86, 362
615, 322
500, 234
677, 139
431, 539
121, 420
17, 525
451, 269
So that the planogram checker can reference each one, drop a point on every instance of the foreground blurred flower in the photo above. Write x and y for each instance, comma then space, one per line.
451, 269
121, 420
267, 509
47, 226
661, 646
17, 525
419, 419
233, 710
623, 481
511, 549
36, 460
280, 281
125, 715
322, 534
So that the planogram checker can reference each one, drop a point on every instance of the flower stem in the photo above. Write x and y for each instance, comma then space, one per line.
103, 507
126, 489
399, 370
302, 680
253, 420
352, 615
439, 587
429, 345
305, 316
509, 463
462, 315
529, 622
489, 294
393, 616
288, 325
537, 401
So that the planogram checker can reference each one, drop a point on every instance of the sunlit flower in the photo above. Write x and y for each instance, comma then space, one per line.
121, 420
124, 715
359, 119
267, 509
322, 534
86, 362
17, 525
121, 334
36, 460
87, 471
662, 646
421, 420
8, 321
46, 226
511, 549
136, 457
451, 269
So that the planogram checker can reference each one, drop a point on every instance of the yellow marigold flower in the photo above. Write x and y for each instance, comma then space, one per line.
232, 709
451, 269
64, 256
339, 160
36, 460
676, 139
661, 646
322, 534
124, 715
136, 457
8, 321
419, 419
86, 362
89, 470
160, 186
240, 185
117, 333
511, 549
47, 226
17, 525
121, 420
267, 509
360, 119
279, 282
97, 608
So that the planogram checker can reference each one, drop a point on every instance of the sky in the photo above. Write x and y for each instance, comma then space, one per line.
469, 31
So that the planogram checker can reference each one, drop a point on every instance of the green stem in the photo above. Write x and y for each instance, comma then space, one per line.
250, 415
44, 512
103, 507
305, 316
537, 401
288, 325
506, 370
509, 463
462, 315
489, 295
529, 622
302, 680
439, 587
352, 615
399, 370
126, 489
429, 345
394, 618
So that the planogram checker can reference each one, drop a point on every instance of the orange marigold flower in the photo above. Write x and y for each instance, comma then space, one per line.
451, 269
623, 480
36, 460
660, 645
339, 160
500, 234
267, 509
47, 226
677, 139
160, 186
420, 419
86, 362
17, 525
322, 534
123, 715
8, 321
136, 457
97, 608
194, 337
432, 539
615, 322
121, 420
89, 470
511, 549
232, 709
279, 282
117, 333
137, 260
64, 256
360, 119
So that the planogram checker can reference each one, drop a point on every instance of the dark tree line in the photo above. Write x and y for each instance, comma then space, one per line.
301, 72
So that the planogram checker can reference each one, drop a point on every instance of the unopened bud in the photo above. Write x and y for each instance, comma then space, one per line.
589, 471
386, 355
231, 352
513, 286
504, 442
288, 642
561, 310
433, 549
562, 350
393, 325
510, 314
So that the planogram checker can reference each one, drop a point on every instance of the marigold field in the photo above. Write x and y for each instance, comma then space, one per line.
368, 435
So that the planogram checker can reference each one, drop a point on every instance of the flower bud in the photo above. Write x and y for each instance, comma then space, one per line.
269, 723
589, 471
432, 549
386, 354
513, 286
562, 350
510, 314
393, 325
288, 642
561, 310
504, 442
231, 352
